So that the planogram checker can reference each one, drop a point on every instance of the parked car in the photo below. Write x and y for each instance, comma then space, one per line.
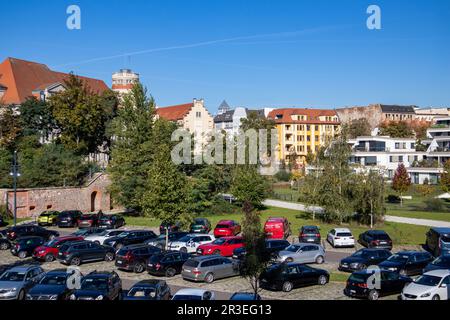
438, 241
130, 237
68, 218
25, 246
273, 246
194, 294
372, 284
277, 228
241, 296
99, 285
76, 253
375, 239
102, 235
88, 221
223, 246
53, 286
200, 225
48, 218
160, 241
309, 234
227, 228
150, 289
209, 268
30, 230
87, 232
190, 242
111, 221
49, 250
432, 285
407, 263
134, 257
363, 258
442, 262
167, 263
341, 237
287, 276
15, 282
302, 253
172, 227
5, 244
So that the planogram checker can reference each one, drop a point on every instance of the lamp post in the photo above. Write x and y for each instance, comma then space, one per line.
15, 173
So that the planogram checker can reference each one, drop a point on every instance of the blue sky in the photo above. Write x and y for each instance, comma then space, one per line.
253, 53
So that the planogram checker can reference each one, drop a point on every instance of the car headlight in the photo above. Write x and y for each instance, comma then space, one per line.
355, 265
72, 297
426, 295
54, 297
100, 297
392, 269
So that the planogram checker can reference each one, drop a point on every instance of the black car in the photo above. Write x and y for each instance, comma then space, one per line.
375, 239
148, 290
111, 221
99, 286
438, 241
88, 231
273, 246
53, 286
309, 234
30, 230
5, 244
77, 252
167, 263
245, 296
2, 221
25, 246
134, 257
68, 218
372, 284
130, 237
200, 225
160, 241
172, 227
363, 258
442, 262
287, 276
407, 263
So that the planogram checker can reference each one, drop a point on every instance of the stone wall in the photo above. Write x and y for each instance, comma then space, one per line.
372, 113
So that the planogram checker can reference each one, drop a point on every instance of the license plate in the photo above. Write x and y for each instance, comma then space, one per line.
150, 265
383, 242
310, 240
119, 262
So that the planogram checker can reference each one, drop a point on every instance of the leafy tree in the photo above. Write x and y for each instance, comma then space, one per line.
401, 181
36, 118
255, 121
5, 168
10, 129
368, 195
396, 129
445, 177
359, 127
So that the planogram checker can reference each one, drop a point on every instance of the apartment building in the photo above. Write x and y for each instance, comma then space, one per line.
230, 120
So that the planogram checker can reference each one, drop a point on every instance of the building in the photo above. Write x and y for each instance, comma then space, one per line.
123, 81
303, 131
20, 79
430, 114
438, 141
230, 120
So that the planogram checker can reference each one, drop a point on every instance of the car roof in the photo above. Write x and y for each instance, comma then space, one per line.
277, 240
149, 282
225, 221
208, 257
276, 219
377, 231
410, 252
311, 226
342, 229
99, 274
191, 292
23, 268
29, 238
198, 234
136, 246
231, 237
372, 249
57, 271
441, 230
438, 273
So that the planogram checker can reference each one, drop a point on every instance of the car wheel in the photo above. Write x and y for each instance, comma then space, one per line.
320, 260
184, 250
436, 297
322, 280
49, 257
21, 295
287, 286
170, 272
75, 261
373, 295
109, 256
97, 242
139, 268
22, 254
4, 246
209, 278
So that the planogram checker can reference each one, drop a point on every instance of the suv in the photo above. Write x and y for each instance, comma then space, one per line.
172, 227
407, 263
190, 242
309, 234
68, 218
25, 246
209, 268
15, 282
102, 285
53, 286
273, 246
375, 239
150, 289
363, 258
88, 221
103, 235
30, 230
223, 246
438, 241
200, 225
49, 251
48, 218
341, 237
111, 221
75, 253
167, 263
160, 242
277, 228
129, 237
134, 257
227, 228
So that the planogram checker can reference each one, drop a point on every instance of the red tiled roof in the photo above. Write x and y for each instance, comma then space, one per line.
23, 77
174, 113
312, 115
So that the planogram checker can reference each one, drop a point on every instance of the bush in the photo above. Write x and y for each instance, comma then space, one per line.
283, 175
392, 198
425, 189
434, 204
221, 206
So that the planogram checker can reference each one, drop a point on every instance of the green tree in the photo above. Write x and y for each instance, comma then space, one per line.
368, 195
10, 129
445, 177
358, 128
396, 129
401, 181
5, 168
36, 118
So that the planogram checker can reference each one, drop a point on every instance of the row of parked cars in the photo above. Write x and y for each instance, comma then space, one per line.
75, 218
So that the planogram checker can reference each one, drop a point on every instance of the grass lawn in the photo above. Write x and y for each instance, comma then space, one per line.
402, 234
336, 276
10, 221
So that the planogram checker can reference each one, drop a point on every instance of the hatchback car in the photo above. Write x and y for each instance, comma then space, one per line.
341, 237
48, 218
111, 221
134, 257
223, 246
25, 246
433, 285
375, 239
68, 218
273, 246
190, 242
241, 296
200, 225
302, 253
309, 234
53, 286
30, 230
438, 241
15, 282
49, 250
130, 237
363, 258
103, 235
76, 253
167, 263
407, 263
99, 286
277, 228
209, 268
194, 294
227, 228
88, 221
442, 262
160, 242
288, 276
87, 232
150, 289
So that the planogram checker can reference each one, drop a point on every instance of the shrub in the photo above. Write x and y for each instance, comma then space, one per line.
434, 204
392, 198
283, 175
425, 189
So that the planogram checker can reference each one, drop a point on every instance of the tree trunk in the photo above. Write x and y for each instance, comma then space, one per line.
167, 238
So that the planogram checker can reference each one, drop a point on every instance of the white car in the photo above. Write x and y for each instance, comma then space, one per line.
194, 294
341, 237
190, 242
105, 234
432, 285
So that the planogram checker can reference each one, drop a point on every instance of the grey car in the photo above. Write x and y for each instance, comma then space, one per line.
302, 253
209, 268
15, 282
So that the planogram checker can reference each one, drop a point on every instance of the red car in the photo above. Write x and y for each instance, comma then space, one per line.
223, 246
277, 228
227, 228
88, 221
49, 251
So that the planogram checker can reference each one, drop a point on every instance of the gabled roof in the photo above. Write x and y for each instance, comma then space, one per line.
285, 115
174, 113
397, 109
23, 77
224, 107
224, 117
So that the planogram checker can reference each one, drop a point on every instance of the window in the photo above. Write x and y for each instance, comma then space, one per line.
308, 127
316, 128
198, 114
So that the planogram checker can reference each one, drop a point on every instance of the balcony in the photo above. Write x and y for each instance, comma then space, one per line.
371, 149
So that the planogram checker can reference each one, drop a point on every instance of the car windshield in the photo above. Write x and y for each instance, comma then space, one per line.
361, 253
292, 248
219, 241
105, 218
45, 214
142, 292
12, 276
104, 233
86, 217
199, 221
310, 230
94, 284
358, 278
185, 238
123, 234
221, 226
191, 263
343, 234
52, 243
186, 297
441, 261
54, 279
381, 236
427, 280
398, 258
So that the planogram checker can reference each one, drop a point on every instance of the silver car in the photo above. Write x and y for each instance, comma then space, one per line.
209, 268
302, 253
15, 282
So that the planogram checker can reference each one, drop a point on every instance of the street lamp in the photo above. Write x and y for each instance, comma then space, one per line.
15, 173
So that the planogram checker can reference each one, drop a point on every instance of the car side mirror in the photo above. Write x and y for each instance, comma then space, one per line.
443, 285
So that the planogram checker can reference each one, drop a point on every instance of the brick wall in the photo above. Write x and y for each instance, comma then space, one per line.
372, 113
